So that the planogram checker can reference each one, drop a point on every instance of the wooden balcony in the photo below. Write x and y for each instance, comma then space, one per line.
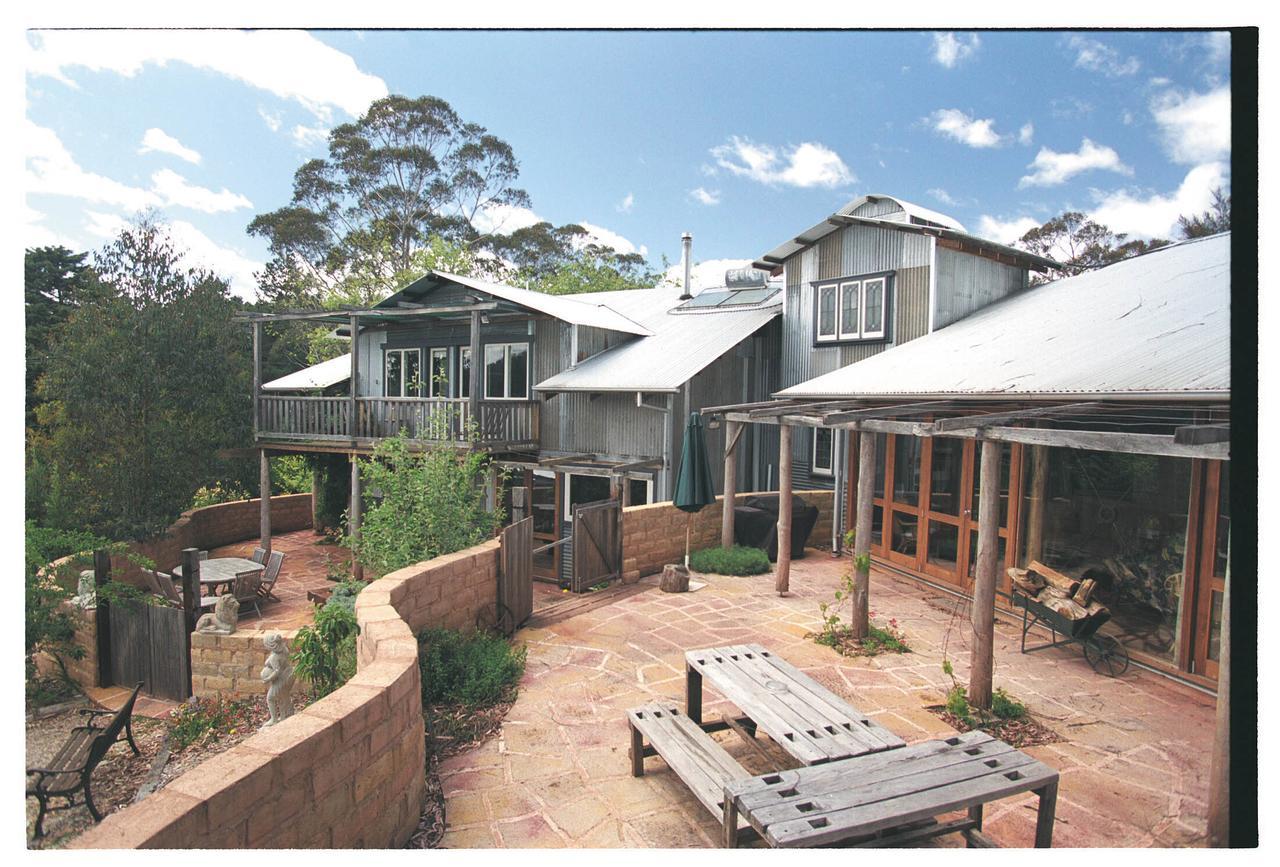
501, 423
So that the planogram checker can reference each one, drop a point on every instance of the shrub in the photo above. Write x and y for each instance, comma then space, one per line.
1006, 706
474, 669
344, 594
325, 653
958, 705
738, 560
205, 720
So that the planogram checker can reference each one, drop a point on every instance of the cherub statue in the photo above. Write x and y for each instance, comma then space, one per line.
226, 612
277, 674
86, 591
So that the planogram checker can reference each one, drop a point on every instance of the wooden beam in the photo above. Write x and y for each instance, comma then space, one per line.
264, 500
793, 407
477, 364
881, 412
741, 407
862, 533
355, 515
982, 659
339, 314
636, 465
1202, 434
1108, 441
353, 427
732, 431
987, 419
552, 461
257, 375
782, 582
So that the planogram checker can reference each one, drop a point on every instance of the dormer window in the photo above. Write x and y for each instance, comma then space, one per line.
851, 308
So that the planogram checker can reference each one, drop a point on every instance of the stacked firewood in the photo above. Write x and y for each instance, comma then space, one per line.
1070, 597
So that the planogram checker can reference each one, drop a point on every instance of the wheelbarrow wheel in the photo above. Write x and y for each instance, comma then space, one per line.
1106, 655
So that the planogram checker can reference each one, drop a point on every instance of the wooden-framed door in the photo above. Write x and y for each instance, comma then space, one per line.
545, 498
1210, 561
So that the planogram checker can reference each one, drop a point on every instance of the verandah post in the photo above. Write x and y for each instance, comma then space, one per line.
264, 500
191, 595
354, 515
353, 427
862, 534
783, 581
981, 660
731, 434
477, 364
102, 615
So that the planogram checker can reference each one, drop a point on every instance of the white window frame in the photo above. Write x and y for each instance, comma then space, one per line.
862, 312
846, 334
648, 489
568, 487
814, 468
436, 389
506, 370
404, 379
835, 318
463, 375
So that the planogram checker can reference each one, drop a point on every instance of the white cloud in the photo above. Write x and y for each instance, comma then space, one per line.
1005, 231
609, 238
703, 196
1218, 46
504, 219
810, 164
107, 226
52, 170
271, 119
36, 234
1196, 127
1157, 215
948, 49
1026, 133
291, 64
309, 136
1097, 56
625, 206
1051, 168
159, 141
955, 124
942, 196
703, 275
176, 190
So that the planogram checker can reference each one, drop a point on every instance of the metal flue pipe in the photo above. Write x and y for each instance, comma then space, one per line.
686, 256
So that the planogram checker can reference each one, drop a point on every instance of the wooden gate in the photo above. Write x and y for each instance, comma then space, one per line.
148, 643
597, 544
515, 576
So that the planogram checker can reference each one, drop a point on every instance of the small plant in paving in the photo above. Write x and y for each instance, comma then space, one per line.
738, 560
1007, 719
202, 721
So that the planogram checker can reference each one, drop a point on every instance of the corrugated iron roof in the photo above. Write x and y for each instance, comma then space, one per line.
909, 208
577, 310
321, 375
1157, 324
681, 345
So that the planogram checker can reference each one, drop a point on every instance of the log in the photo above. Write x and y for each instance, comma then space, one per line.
1065, 607
1085, 593
1028, 582
675, 578
1054, 578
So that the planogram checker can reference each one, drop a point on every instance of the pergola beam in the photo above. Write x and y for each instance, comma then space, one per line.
562, 459
1109, 441
880, 412
965, 422
1202, 434
341, 314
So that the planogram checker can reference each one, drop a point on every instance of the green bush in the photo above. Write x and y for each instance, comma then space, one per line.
738, 560
1006, 706
474, 669
325, 653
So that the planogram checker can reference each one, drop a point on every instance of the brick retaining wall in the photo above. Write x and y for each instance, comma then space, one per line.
654, 535
347, 771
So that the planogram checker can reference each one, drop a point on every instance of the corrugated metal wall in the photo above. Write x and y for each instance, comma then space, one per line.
967, 282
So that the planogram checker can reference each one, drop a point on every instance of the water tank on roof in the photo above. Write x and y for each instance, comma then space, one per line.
745, 278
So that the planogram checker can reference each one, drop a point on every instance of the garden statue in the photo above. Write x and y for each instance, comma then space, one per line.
86, 591
226, 611
277, 674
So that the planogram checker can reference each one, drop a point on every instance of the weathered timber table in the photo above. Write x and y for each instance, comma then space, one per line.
891, 798
807, 720
223, 570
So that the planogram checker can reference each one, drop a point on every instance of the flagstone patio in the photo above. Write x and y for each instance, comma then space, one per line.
1134, 761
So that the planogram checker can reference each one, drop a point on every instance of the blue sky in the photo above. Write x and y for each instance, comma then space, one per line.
742, 138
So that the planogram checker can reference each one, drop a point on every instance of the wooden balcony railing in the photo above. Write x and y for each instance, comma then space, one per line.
428, 419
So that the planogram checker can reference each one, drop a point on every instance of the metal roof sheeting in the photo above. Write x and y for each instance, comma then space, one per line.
909, 209
1157, 324
682, 344
321, 375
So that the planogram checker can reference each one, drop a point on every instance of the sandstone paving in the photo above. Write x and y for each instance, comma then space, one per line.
1134, 759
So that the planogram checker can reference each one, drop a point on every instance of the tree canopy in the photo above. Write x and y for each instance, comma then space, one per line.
57, 281
1079, 244
1216, 219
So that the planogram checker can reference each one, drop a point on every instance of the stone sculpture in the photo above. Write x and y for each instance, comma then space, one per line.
277, 674
226, 612
86, 591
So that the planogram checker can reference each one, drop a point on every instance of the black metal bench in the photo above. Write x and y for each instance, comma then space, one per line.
71, 769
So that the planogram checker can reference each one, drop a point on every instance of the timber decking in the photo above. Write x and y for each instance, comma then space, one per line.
854, 800
799, 714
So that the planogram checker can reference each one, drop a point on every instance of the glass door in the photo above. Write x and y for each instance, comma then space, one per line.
545, 495
949, 468
1010, 471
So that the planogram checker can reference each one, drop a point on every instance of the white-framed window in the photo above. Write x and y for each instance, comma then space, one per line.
464, 371
639, 491
438, 383
850, 309
506, 371
580, 489
823, 463
403, 372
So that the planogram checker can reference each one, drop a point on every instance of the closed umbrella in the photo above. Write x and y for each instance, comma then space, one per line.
693, 481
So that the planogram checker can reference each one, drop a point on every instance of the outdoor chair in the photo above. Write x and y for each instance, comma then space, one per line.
245, 588
153, 583
259, 555
270, 575
204, 555
168, 589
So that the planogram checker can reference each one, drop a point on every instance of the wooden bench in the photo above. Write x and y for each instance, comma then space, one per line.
71, 769
882, 799
697, 759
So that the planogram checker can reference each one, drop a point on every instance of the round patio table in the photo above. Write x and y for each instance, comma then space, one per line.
222, 570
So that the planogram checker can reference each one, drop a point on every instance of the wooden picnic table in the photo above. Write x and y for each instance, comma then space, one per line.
800, 715
223, 570
891, 798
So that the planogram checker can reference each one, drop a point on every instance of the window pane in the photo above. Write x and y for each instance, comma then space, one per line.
439, 373
1001, 547
587, 489
945, 491
906, 470
1215, 626
944, 544
849, 310
826, 311
518, 380
639, 491
873, 300
822, 449
1005, 458
394, 379
495, 360
412, 373
877, 526
464, 375
1224, 525
903, 540
882, 457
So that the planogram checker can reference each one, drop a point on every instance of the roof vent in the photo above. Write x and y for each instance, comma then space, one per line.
686, 248
745, 278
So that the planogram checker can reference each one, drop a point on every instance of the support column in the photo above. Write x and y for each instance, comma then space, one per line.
862, 533
354, 516
1036, 491
477, 365
732, 433
264, 500
353, 424
783, 582
102, 615
317, 480
981, 659
1220, 762
257, 376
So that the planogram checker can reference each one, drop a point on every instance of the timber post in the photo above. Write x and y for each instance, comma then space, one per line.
353, 426
1220, 761
354, 516
102, 615
862, 533
783, 581
982, 659
477, 364
1037, 490
264, 500
732, 431
191, 595
257, 376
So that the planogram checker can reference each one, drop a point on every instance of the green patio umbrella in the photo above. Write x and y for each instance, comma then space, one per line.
693, 482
